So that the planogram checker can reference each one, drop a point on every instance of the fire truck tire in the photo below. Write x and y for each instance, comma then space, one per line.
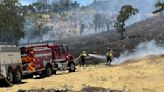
72, 66
17, 76
10, 77
48, 71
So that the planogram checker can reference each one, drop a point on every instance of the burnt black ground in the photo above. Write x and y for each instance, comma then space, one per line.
87, 89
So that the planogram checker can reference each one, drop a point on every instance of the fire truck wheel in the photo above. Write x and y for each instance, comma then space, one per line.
72, 67
48, 71
17, 76
10, 77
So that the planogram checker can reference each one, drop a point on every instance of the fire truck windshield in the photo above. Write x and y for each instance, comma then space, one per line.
24, 50
64, 48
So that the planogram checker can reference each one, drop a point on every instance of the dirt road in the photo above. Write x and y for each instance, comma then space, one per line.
145, 75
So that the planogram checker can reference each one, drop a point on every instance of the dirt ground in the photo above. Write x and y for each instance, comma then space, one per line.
144, 75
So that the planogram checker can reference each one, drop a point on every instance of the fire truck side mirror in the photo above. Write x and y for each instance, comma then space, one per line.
32, 52
67, 49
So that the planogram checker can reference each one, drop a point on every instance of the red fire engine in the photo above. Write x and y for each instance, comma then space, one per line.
46, 58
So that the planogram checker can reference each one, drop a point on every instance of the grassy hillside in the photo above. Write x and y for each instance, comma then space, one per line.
146, 30
144, 75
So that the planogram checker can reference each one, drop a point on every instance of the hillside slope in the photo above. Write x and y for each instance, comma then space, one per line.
146, 30
144, 75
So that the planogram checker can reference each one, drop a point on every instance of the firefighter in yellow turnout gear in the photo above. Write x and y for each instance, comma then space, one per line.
83, 56
109, 57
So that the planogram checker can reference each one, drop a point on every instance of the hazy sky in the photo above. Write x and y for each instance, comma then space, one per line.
24, 2
84, 2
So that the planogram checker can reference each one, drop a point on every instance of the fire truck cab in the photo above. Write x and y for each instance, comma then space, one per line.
46, 58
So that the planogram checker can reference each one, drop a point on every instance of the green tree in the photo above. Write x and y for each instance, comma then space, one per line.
11, 21
124, 14
28, 9
98, 22
159, 7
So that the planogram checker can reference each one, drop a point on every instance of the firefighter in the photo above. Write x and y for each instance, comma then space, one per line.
83, 56
109, 57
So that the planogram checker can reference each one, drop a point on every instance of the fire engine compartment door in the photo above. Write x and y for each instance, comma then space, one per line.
42, 54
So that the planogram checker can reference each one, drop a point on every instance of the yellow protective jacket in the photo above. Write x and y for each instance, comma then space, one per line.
84, 55
110, 54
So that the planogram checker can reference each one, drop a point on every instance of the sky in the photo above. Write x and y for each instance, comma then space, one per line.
84, 2
26, 2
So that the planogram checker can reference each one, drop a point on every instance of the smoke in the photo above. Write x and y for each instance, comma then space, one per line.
68, 24
142, 50
145, 7
29, 30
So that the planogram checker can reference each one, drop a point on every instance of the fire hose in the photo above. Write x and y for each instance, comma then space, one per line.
101, 57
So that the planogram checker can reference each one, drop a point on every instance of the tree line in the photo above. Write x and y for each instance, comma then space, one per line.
57, 6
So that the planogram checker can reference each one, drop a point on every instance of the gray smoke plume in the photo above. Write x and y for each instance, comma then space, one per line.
69, 25
142, 50
29, 31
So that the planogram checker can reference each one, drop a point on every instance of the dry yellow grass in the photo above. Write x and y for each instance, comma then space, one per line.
145, 75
